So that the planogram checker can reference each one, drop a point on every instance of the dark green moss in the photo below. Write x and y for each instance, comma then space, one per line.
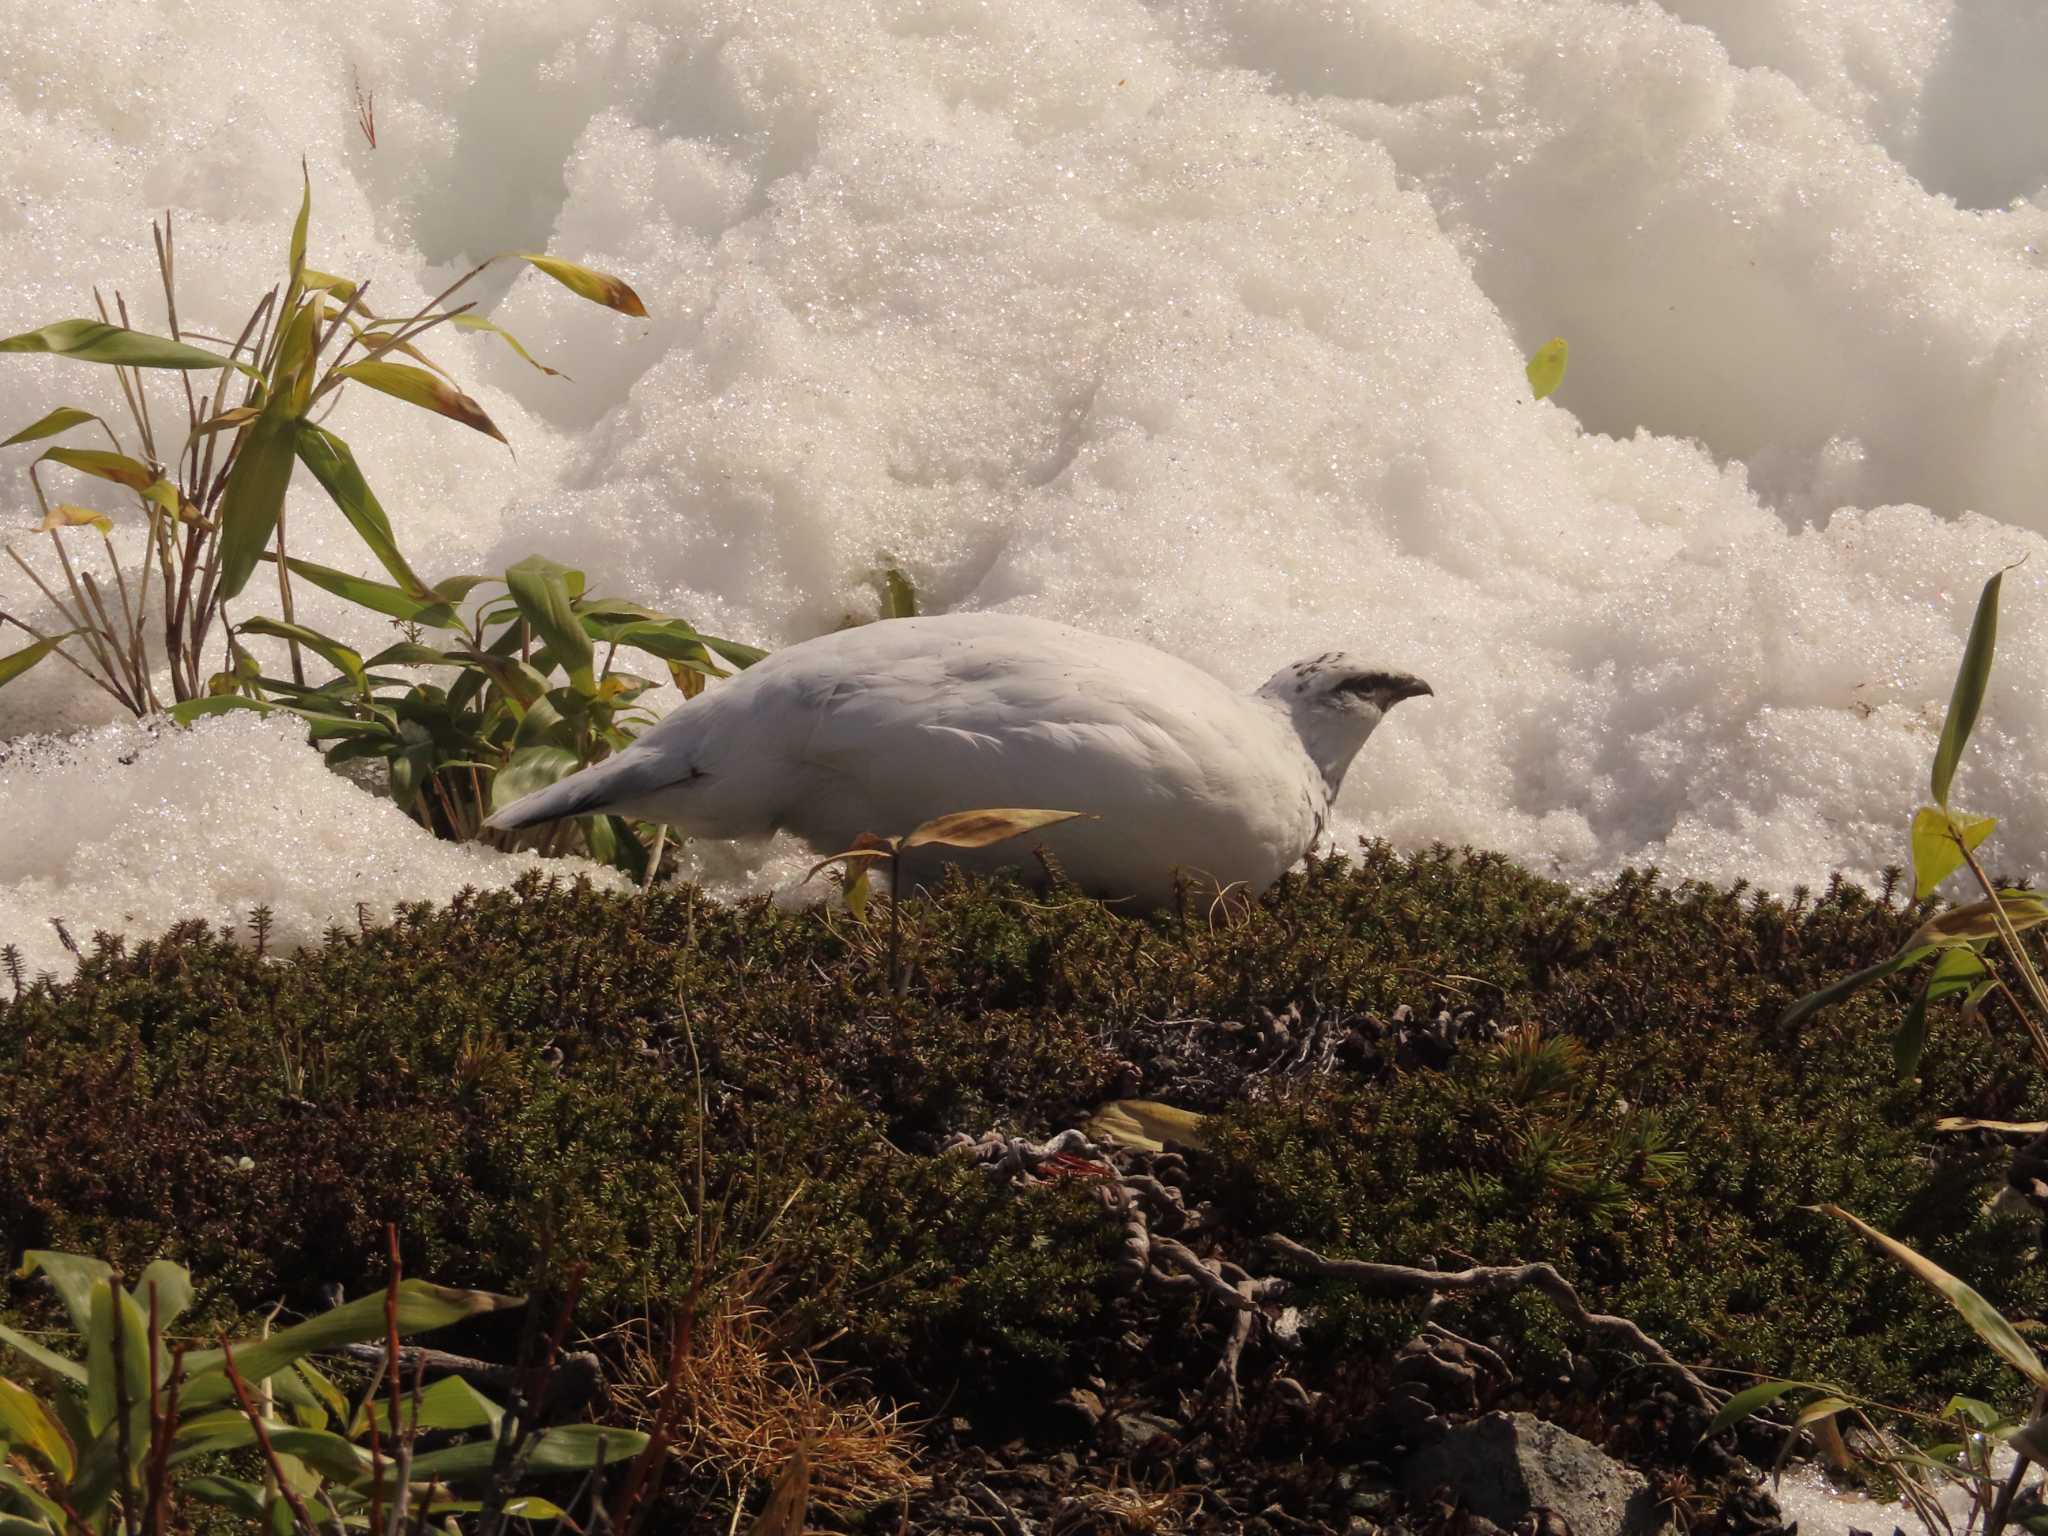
524, 1071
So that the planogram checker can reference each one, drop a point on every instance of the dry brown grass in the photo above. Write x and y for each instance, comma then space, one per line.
742, 1408
1124, 1509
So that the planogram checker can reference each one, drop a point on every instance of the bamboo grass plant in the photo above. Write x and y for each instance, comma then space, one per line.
154, 632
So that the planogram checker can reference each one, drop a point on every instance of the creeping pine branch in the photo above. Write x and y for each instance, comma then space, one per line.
1495, 1279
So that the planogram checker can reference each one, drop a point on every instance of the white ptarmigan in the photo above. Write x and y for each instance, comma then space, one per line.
879, 728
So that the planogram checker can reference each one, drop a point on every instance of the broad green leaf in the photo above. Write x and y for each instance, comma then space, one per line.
1971, 1410
334, 466
215, 704
1748, 1401
254, 497
67, 516
103, 465
856, 888
173, 1286
530, 769
327, 282
899, 597
541, 589
329, 1395
515, 679
1959, 970
376, 595
1834, 992
409, 654
71, 1370
1971, 680
470, 322
62, 419
2031, 1440
418, 387
450, 1403
298, 247
94, 341
71, 1275
565, 1448
246, 1501
420, 1307
28, 1425
982, 829
1978, 921
1939, 837
1147, 1124
102, 1382
670, 639
588, 283
1546, 366
342, 658
741, 656
18, 662
234, 417
321, 1449
1821, 1408
1985, 1320
53, 1516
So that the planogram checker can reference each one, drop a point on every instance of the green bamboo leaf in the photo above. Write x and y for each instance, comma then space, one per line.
518, 681
1821, 1408
375, 595
1977, 921
1971, 680
344, 659
94, 341
450, 1403
334, 466
254, 497
565, 1448
899, 597
1546, 366
216, 704
71, 1275
327, 282
27, 1425
741, 656
1834, 992
588, 283
172, 1284
18, 662
541, 589
103, 465
102, 1384
321, 1449
62, 419
48, 1359
298, 247
418, 387
470, 322
420, 1307
409, 654
1985, 1320
1938, 839
52, 1514
530, 769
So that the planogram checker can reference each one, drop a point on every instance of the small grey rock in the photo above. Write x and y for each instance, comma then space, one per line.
1507, 1466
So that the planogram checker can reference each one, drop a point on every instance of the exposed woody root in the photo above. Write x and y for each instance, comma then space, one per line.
1162, 1234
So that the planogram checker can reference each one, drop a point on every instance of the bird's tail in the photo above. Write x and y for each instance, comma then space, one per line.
593, 791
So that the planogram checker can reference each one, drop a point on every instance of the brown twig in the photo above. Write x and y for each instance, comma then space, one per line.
1495, 1279
284, 1487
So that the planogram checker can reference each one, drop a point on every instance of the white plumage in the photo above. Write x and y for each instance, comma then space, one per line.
879, 728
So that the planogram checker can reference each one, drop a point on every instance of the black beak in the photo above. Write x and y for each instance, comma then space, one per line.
1408, 688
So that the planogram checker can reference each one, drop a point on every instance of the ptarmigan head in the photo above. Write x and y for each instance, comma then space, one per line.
1334, 701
